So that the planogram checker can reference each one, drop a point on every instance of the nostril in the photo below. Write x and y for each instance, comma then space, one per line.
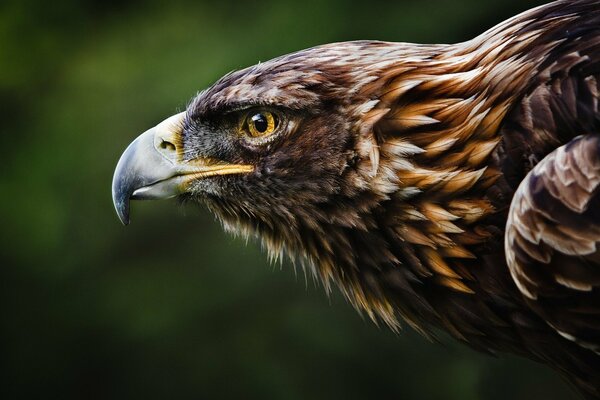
168, 146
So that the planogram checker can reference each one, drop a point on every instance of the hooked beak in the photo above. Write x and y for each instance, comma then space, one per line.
152, 167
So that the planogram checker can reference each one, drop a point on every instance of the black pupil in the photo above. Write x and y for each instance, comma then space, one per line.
260, 123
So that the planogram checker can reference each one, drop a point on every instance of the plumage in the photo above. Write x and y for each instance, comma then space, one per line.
449, 186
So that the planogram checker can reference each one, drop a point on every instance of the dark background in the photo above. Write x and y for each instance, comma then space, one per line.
171, 307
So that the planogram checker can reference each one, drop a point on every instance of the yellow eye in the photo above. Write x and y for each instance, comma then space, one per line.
261, 123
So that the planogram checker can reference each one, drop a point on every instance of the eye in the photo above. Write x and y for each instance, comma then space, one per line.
261, 123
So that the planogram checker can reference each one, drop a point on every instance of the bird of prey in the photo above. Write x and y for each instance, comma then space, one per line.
448, 186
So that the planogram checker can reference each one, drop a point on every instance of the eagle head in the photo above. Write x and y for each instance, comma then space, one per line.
285, 150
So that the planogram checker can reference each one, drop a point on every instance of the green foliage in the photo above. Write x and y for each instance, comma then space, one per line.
171, 307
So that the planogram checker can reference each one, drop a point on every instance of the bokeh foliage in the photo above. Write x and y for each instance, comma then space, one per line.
171, 307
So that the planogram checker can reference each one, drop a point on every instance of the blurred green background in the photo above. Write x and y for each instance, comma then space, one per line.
171, 307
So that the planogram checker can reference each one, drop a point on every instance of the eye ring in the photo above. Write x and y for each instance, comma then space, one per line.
260, 123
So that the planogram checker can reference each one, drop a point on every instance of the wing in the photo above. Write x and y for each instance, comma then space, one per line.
552, 240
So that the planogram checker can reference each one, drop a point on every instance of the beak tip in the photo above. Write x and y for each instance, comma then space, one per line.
121, 195
122, 209
124, 219
124, 183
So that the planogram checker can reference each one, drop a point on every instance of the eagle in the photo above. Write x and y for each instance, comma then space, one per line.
449, 186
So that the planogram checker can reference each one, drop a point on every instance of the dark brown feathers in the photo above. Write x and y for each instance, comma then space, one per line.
551, 240
394, 179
